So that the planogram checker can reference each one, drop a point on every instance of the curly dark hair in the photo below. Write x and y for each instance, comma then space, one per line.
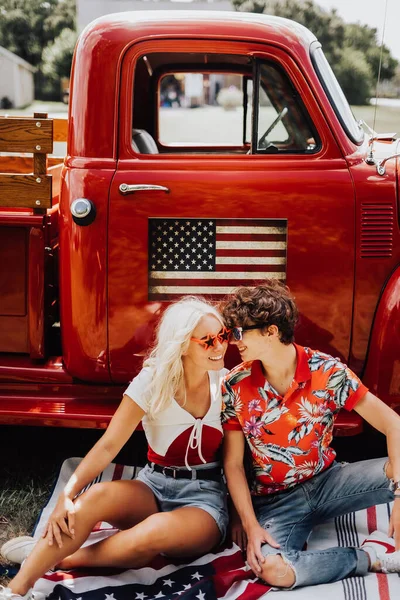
268, 304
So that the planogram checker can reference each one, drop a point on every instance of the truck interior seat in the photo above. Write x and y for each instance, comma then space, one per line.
143, 143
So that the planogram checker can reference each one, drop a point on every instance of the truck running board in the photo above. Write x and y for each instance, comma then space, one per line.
91, 406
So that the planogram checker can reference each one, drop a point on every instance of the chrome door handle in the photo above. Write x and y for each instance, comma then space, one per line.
124, 188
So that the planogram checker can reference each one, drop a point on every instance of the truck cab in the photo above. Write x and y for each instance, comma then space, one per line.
205, 151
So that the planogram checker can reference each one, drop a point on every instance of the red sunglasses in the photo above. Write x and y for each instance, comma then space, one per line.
210, 340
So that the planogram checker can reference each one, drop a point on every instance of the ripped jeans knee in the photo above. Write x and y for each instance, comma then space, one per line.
278, 571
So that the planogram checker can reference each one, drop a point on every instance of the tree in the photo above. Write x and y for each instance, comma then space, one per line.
27, 27
364, 39
57, 57
352, 49
355, 75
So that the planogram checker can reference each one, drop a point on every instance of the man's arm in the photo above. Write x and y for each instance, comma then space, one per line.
233, 451
387, 421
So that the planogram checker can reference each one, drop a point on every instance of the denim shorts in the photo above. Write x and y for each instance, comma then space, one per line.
171, 493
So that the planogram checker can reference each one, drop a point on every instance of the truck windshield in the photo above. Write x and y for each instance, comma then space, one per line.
336, 95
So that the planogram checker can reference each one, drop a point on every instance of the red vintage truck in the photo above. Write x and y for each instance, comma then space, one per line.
171, 186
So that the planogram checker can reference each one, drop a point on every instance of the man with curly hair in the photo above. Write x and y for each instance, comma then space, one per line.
281, 403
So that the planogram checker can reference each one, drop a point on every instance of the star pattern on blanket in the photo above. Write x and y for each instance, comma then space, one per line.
219, 575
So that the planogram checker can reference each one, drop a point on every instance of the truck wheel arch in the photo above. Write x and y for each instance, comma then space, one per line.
382, 371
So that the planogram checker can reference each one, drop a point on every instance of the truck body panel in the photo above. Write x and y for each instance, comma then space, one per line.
293, 198
382, 373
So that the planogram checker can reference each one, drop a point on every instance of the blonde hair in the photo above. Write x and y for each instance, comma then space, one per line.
172, 341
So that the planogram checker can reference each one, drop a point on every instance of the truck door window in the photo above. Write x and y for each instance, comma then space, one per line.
217, 104
201, 109
336, 95
281, 123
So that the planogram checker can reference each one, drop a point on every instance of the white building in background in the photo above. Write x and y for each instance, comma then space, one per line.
16, 79
87, 10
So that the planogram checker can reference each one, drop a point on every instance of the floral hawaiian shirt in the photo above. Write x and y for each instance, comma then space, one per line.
289, 437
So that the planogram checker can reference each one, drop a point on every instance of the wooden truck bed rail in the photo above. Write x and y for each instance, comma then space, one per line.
40, 188
29, 194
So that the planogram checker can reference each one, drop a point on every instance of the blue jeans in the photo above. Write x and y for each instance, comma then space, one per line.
172, 493
291, 515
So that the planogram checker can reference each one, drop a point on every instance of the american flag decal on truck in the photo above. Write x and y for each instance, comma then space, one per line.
211, 257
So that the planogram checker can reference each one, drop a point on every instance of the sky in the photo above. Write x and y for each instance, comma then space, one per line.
371, 12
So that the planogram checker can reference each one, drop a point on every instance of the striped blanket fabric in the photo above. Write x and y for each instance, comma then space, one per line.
215, 576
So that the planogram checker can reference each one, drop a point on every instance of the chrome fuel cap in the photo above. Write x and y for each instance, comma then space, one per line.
83, 211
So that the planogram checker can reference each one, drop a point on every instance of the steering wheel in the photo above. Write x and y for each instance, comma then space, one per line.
263, 139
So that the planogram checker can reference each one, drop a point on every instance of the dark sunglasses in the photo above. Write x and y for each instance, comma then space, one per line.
237, 332
210, 340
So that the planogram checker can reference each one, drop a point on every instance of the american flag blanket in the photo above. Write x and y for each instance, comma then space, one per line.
218, 575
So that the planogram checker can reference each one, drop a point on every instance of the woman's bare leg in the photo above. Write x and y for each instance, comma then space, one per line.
121, 503
182, 532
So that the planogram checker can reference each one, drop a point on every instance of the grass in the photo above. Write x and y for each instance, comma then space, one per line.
387, 117
27, 473
30, 458
21, 499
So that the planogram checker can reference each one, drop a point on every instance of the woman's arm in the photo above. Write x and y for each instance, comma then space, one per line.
124, 422
122, 425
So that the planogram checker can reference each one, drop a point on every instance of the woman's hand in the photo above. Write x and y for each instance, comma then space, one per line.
256, 536
61, 520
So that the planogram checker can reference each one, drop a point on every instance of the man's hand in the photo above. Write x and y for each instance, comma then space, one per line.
256, 536
394, 524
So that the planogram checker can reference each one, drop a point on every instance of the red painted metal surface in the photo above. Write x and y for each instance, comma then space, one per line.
77, 405
102, 45
23, 218
36, 291
328, 198
65, 405
13, 292
348, 424
377, 242
315, 193
21, 369
12, 272
25, 235
382, 373
94, 133
83, 274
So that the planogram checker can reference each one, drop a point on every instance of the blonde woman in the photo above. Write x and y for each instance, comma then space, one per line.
177, 506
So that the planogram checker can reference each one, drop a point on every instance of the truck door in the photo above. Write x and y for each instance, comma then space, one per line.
227, 174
